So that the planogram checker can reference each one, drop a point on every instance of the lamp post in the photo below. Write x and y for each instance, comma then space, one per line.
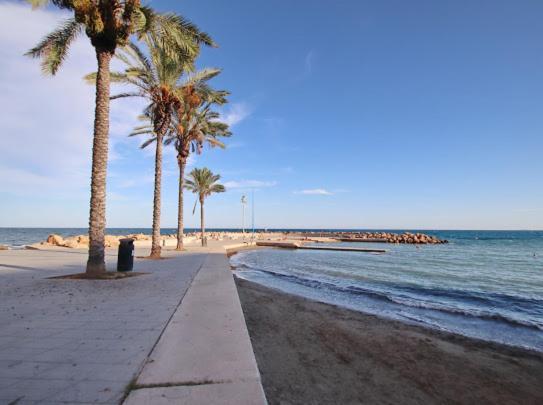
243, 204
253, 213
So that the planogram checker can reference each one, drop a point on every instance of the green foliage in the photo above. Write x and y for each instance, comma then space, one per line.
109, 24
203, 182
163, 82
190, 133
54, 47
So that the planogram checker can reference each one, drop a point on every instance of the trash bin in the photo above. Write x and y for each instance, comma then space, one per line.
125, 259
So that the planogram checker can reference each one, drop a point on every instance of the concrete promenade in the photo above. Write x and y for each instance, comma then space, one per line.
81, 341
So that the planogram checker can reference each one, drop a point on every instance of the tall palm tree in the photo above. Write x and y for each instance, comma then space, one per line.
161, 80
191, 130
108, 24
204, 183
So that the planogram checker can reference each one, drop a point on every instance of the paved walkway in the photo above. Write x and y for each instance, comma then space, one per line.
205, 355
73, 341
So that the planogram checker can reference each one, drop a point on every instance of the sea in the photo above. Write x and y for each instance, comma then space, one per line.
482, 284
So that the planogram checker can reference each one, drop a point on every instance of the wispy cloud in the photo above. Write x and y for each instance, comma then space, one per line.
241, 184
48, 131
48, 142
314, 191
235, 113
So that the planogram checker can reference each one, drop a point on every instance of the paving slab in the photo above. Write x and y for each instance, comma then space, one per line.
82, 341
205, 354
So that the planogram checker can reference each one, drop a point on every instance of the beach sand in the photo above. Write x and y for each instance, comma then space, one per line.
314, 353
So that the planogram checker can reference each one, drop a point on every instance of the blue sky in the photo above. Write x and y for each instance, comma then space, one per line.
346, 114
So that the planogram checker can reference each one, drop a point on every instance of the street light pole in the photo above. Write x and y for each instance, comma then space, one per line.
253, 213
243, 203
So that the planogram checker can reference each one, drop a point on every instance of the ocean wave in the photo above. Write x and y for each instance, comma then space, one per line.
397, 295
465, 312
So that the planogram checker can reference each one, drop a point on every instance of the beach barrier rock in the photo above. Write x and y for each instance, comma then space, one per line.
55, 240
390, 237
112, 241
83, 240
71, 243
4, 247
139, 236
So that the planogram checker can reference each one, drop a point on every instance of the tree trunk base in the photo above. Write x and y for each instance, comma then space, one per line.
95, 269
155, 253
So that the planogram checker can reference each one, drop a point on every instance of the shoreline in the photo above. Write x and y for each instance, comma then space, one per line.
344, 353
384, 317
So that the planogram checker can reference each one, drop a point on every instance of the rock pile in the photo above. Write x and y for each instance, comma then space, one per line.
407, 237
79, 241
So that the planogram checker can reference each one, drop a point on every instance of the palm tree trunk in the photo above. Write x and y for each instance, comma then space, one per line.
155, 244
97, 218
182, 163
202, 224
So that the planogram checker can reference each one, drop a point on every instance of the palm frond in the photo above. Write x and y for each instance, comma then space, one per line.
215, 143
53, 49
201, 76
124, 95
143, 19
65, 4
148, 142
194, 208
203, 182
141, 57
147, 131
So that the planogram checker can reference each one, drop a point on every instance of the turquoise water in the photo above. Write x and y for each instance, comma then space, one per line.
487, 285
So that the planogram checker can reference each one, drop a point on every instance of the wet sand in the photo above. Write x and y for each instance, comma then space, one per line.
314, 353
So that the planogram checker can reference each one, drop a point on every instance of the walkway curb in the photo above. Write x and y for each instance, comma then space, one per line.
205, 354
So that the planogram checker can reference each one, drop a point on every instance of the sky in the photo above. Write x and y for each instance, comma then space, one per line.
345, 114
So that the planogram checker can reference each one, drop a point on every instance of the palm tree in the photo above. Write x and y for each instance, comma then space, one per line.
161, 80
108, 24
191, 130
204, 183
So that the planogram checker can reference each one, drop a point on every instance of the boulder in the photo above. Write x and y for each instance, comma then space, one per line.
4, 247
83, 239
112, 241
140, 236
71, 243
55, 240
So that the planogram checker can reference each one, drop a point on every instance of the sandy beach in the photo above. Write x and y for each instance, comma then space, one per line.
314, 353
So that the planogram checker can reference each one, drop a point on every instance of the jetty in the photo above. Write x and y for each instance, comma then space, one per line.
343, 249
303, 245
361, 240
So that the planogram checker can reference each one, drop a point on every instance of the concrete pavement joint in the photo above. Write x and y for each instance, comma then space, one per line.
180, 384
